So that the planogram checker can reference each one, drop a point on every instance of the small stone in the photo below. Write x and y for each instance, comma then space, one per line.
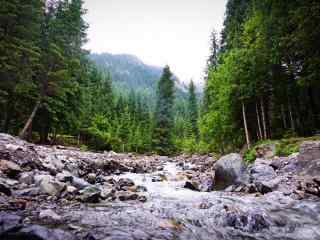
27, 178
205, 205
142, 198
79, 183
191, 185
5, 189
11, 169
64, 177
90, 194
50, 215
71, 189
140, 188
91, 177
28, 192
124, 182
317, 180
126, 196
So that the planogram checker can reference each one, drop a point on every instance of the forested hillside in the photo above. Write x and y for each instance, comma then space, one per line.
263, 77
129, 73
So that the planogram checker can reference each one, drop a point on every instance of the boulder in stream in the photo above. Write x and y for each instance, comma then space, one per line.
229, 170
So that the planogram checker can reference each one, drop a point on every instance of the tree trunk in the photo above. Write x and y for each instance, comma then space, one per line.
283, 115
8, 114
291, 118
264, 123
28, 124
245, 125
259, 123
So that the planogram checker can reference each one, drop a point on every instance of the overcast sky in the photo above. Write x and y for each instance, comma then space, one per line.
159, 32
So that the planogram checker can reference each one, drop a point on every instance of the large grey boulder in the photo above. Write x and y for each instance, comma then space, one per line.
261, 172
309, 158
229, 170
49, 185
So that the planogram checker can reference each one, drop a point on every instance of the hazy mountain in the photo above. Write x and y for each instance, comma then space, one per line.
129, 72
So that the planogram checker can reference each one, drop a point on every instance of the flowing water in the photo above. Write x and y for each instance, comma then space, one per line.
173, 212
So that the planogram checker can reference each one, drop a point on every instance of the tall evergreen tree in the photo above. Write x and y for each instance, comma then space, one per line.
162, 132
19, 58
193, 110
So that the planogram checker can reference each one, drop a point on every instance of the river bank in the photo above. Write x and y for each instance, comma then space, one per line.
56, 192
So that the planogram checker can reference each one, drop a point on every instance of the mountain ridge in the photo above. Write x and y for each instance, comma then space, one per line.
129, 72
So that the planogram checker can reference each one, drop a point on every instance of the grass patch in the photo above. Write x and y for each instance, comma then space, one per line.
284, 147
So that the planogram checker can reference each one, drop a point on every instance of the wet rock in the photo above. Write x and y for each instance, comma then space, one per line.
37, 232
191, 185
4, 187
229, 170
309, 158
140, 235
245, 221
310, 187
276, 163
201, 183
123, 183
49, 215
119, 235
171, 224
90, 194
142, 198
71, 189
51, 187
263, 187
9, 168
79, 183
17, 151
42, 177
27, 178
261, 172
291, 163
112, 166
91, 177
8, 222
140, 188
317, 180
28, 192
157, 178
127, 196
64, 177
108, 193
205, 205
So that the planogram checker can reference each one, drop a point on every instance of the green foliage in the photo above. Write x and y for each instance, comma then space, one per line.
249, 156
266, 64
163, 117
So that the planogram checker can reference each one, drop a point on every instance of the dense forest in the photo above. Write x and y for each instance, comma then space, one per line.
52, 91
263, 76
262, 82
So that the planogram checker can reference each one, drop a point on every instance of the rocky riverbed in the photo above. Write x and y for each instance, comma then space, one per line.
55, 193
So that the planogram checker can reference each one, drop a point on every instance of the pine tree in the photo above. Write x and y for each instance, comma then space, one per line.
193, 110
162, 132
19, 58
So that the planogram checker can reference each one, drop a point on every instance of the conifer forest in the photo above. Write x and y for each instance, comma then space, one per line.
261, 82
